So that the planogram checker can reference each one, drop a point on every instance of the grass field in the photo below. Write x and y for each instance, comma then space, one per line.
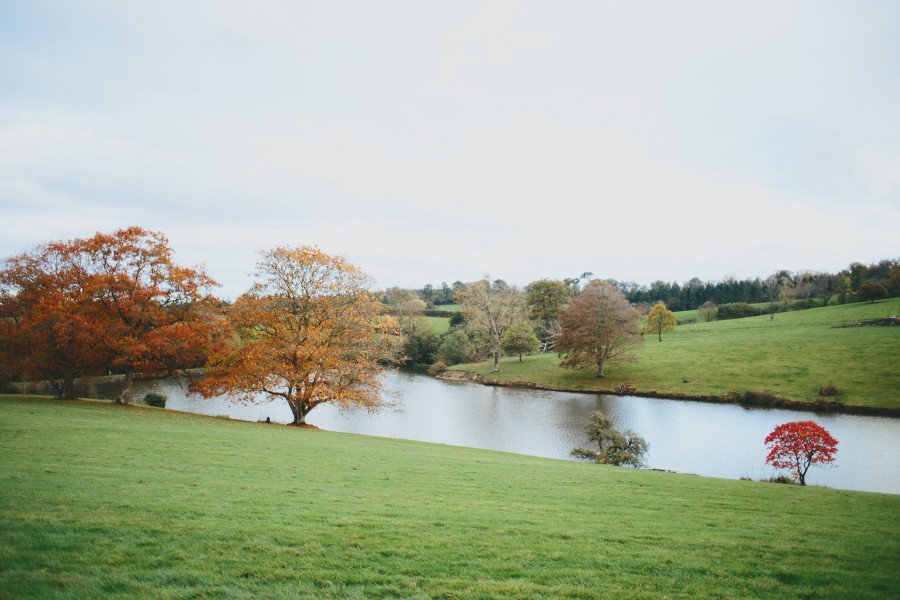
438, 325
792, 356
98, 500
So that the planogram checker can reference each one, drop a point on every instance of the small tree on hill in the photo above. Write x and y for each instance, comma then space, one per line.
708, 311
872, 291
519, 339
799, 445
660, 320
614, 447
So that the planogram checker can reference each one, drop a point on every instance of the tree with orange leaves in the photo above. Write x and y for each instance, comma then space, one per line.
45, 333
115, 301
312, 334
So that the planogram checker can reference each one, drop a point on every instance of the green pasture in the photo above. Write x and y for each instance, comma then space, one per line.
438, 325
791, 356
99, 500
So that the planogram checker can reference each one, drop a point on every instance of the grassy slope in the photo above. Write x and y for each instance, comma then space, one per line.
438, 325
792, 356
101, 500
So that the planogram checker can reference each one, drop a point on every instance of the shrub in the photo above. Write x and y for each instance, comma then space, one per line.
753, 398
779, 479
737, 310
437, 368
421, 347
155, 399
829, 390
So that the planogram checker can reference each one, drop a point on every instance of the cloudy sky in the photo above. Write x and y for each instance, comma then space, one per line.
442, 140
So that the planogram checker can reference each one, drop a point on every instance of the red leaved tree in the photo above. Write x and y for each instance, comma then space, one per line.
79, 307
799, 445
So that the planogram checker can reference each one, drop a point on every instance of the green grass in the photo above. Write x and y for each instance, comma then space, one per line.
438, 325
448, 307
98, 500
792, 356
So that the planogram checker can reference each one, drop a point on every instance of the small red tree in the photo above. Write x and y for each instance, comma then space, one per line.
799, 445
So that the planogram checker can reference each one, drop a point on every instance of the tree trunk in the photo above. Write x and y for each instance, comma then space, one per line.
299, 413
125, 394
599, 368
496, 363
659, 333
520, 358
68, 386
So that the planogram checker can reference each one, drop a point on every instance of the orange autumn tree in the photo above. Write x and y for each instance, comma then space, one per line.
45, 332
157, 316
311, 334
112, 301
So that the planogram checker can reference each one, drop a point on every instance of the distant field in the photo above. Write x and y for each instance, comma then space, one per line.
437, 324
98, 500
448, 307
792, 356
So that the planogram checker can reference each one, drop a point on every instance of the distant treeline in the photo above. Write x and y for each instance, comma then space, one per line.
782, 286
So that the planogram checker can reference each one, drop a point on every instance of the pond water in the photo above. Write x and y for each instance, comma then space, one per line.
718, 440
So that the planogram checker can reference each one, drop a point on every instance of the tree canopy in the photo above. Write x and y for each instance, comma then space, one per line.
799, 445
660, 320
312, 334
490, 309
112, 301
598, 326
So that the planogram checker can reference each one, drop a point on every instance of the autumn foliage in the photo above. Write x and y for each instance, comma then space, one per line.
660, 320
109, 302
597, 327
311, 334
799, 445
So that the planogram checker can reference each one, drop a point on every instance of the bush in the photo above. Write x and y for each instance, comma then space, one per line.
437, 368
737, 310
421, 347
155, 399
752, 398
780, 479
829, 391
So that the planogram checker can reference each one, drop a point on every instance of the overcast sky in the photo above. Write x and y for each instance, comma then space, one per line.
433, 141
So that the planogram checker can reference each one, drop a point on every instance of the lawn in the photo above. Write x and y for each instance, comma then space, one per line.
792, 356
98, 500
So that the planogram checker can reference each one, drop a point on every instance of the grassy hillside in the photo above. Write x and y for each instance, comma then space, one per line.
122, 502
438, 325
791, 356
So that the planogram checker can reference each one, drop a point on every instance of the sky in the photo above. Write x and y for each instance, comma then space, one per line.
445, 140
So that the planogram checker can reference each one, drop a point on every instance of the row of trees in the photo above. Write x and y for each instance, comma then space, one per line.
309, 331
782, 286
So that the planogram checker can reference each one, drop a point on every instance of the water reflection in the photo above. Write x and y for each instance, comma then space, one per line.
689, 437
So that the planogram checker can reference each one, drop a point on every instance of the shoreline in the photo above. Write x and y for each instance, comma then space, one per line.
762, 400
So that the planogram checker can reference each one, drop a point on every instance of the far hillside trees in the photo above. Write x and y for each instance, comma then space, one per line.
599, 326
872, 291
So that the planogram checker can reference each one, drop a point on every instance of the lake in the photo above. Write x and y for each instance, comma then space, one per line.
718, 440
